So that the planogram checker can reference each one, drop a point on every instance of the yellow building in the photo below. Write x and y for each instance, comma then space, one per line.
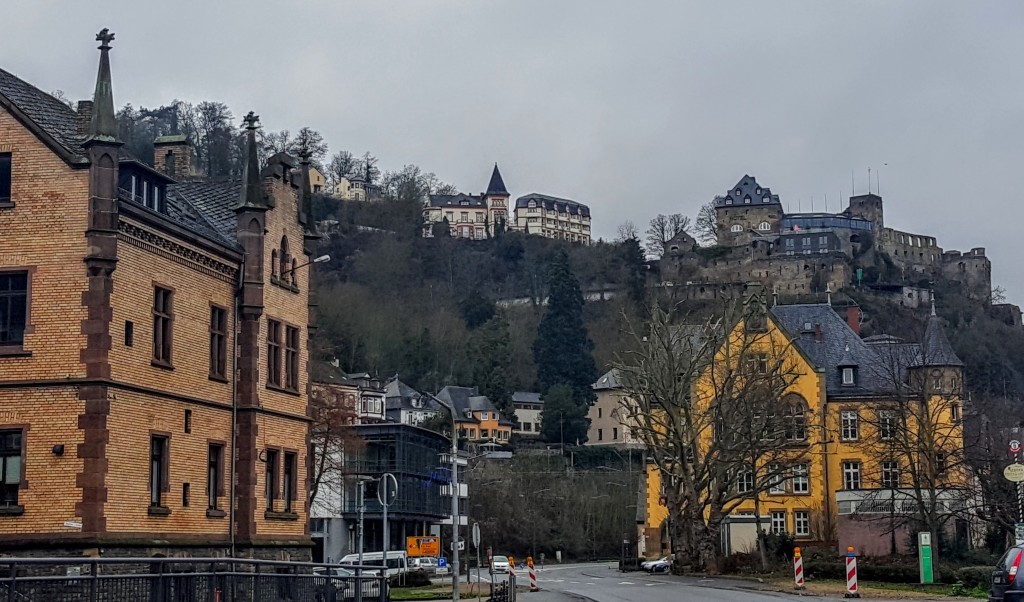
471, 216
873, 429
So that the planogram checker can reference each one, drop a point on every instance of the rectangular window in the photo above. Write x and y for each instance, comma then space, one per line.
13, 307
290, 481
464, 216
615, 434
188, 421
11, 461
823, 241
163, 324
129, 334
847, 376
886, 425
599, 413
890, 475
214, 470
218, 342
851, 475
600, 434
779, 523
186, 494
954, 412
801, 483
789, 243
158, 477
745, 481
850, 430
801, 523
941, 463
5, 178
776, 480
270, 477
274, 353
291, 358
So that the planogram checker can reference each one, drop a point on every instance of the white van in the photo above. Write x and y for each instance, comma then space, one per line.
398, 563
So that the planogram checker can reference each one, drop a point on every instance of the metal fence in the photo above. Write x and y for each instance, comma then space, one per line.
185, 580
503, 590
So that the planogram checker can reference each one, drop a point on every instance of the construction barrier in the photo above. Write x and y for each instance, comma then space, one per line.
533, 574
798, 568
851, 574
512, 566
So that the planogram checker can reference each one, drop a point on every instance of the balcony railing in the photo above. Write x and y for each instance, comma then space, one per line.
898, 501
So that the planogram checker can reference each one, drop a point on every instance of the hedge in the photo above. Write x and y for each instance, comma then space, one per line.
867, 571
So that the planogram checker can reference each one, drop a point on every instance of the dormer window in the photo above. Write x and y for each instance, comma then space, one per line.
728, 200
738, 191
532, 204
766, 199
746, 200
847, 376
736, 228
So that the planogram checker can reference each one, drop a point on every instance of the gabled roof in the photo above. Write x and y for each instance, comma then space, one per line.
553, 203
527, 397
496, 185
748, 191
466, 399
400, 396
54, 119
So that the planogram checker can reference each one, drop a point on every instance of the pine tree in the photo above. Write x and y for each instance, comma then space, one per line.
564, 419
490, 355
562, 349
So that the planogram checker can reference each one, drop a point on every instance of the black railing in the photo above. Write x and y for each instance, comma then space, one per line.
185, 580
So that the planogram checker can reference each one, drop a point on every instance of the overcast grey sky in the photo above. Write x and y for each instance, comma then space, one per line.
635, 108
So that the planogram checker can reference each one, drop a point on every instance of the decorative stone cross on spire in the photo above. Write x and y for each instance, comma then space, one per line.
105, 37
251, 121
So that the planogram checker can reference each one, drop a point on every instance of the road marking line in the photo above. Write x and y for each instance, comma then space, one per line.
626, 583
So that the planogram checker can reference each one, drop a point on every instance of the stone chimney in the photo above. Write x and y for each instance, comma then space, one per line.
853, 318
173, 157
83, 118
817, 333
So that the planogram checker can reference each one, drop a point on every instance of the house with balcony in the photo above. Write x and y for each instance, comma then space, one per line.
478, 420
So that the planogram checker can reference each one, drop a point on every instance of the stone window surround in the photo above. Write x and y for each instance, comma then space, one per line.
19, 350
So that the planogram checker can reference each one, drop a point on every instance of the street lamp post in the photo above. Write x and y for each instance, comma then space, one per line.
454, 481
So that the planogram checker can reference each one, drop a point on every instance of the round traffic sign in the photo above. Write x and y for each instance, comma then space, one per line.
1014, 472
1014, 446
476, 535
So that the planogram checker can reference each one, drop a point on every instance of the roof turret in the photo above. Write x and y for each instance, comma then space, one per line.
251, 196
496, 185
103, 127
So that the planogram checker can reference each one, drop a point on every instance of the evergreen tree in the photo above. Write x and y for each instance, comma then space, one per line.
562, 349
564, 419
490, 354
634, 276
476, 309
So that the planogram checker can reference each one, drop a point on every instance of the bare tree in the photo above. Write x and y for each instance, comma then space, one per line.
331, 436
706, 226
627, 231
662, 229
914, 441
342, 165
709, 402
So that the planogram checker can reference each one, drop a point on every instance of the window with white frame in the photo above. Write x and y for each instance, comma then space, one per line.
745, 481
776, 480
890, 475
802, 523
850, 425
847, 376
736, 228
851, 475
778, 522
764, 226
794, 420
801, 482
887, 425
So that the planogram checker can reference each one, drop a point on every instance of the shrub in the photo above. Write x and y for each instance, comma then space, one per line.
974, 576
411, 579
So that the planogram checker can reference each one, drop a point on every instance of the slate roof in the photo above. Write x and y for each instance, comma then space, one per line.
748, 188
466, 399
935, 348
400, 396
553, 202
496, 185
51, 115
527, 397
456, 200
800, 322
609, 380
213, 200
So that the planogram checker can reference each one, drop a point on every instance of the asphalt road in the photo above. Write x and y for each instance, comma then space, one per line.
604, 583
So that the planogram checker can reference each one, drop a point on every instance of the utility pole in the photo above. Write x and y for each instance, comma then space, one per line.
454, 481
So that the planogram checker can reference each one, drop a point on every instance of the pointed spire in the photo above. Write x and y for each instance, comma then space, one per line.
103, 127
935, 347
496, 185
828, 292
252, 188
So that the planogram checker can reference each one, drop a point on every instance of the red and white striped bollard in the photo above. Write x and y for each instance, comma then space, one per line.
533, 574
851, 574
798, 568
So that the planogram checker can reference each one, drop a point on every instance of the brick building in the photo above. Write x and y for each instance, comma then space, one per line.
151, 317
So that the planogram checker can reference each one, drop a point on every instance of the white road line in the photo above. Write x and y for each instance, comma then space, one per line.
626, 583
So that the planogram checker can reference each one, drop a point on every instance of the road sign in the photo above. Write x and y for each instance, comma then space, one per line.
442, 562
459, 545
422, 546
386, 493
1014, 446
476, 535
1018, 531
1014, 472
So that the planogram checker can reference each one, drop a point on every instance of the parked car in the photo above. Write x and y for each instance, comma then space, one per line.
659, 566
427, 564
1008, 579
499, 564
646, 565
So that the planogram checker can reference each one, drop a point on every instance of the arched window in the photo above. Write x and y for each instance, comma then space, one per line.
295, 265
284, 258
794, 418
273, 263
764, 226
736, 228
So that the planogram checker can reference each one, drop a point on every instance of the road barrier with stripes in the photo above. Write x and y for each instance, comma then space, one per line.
533, 574
798, 568
851, 574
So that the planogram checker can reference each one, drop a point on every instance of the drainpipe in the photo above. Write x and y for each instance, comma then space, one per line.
234, 409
